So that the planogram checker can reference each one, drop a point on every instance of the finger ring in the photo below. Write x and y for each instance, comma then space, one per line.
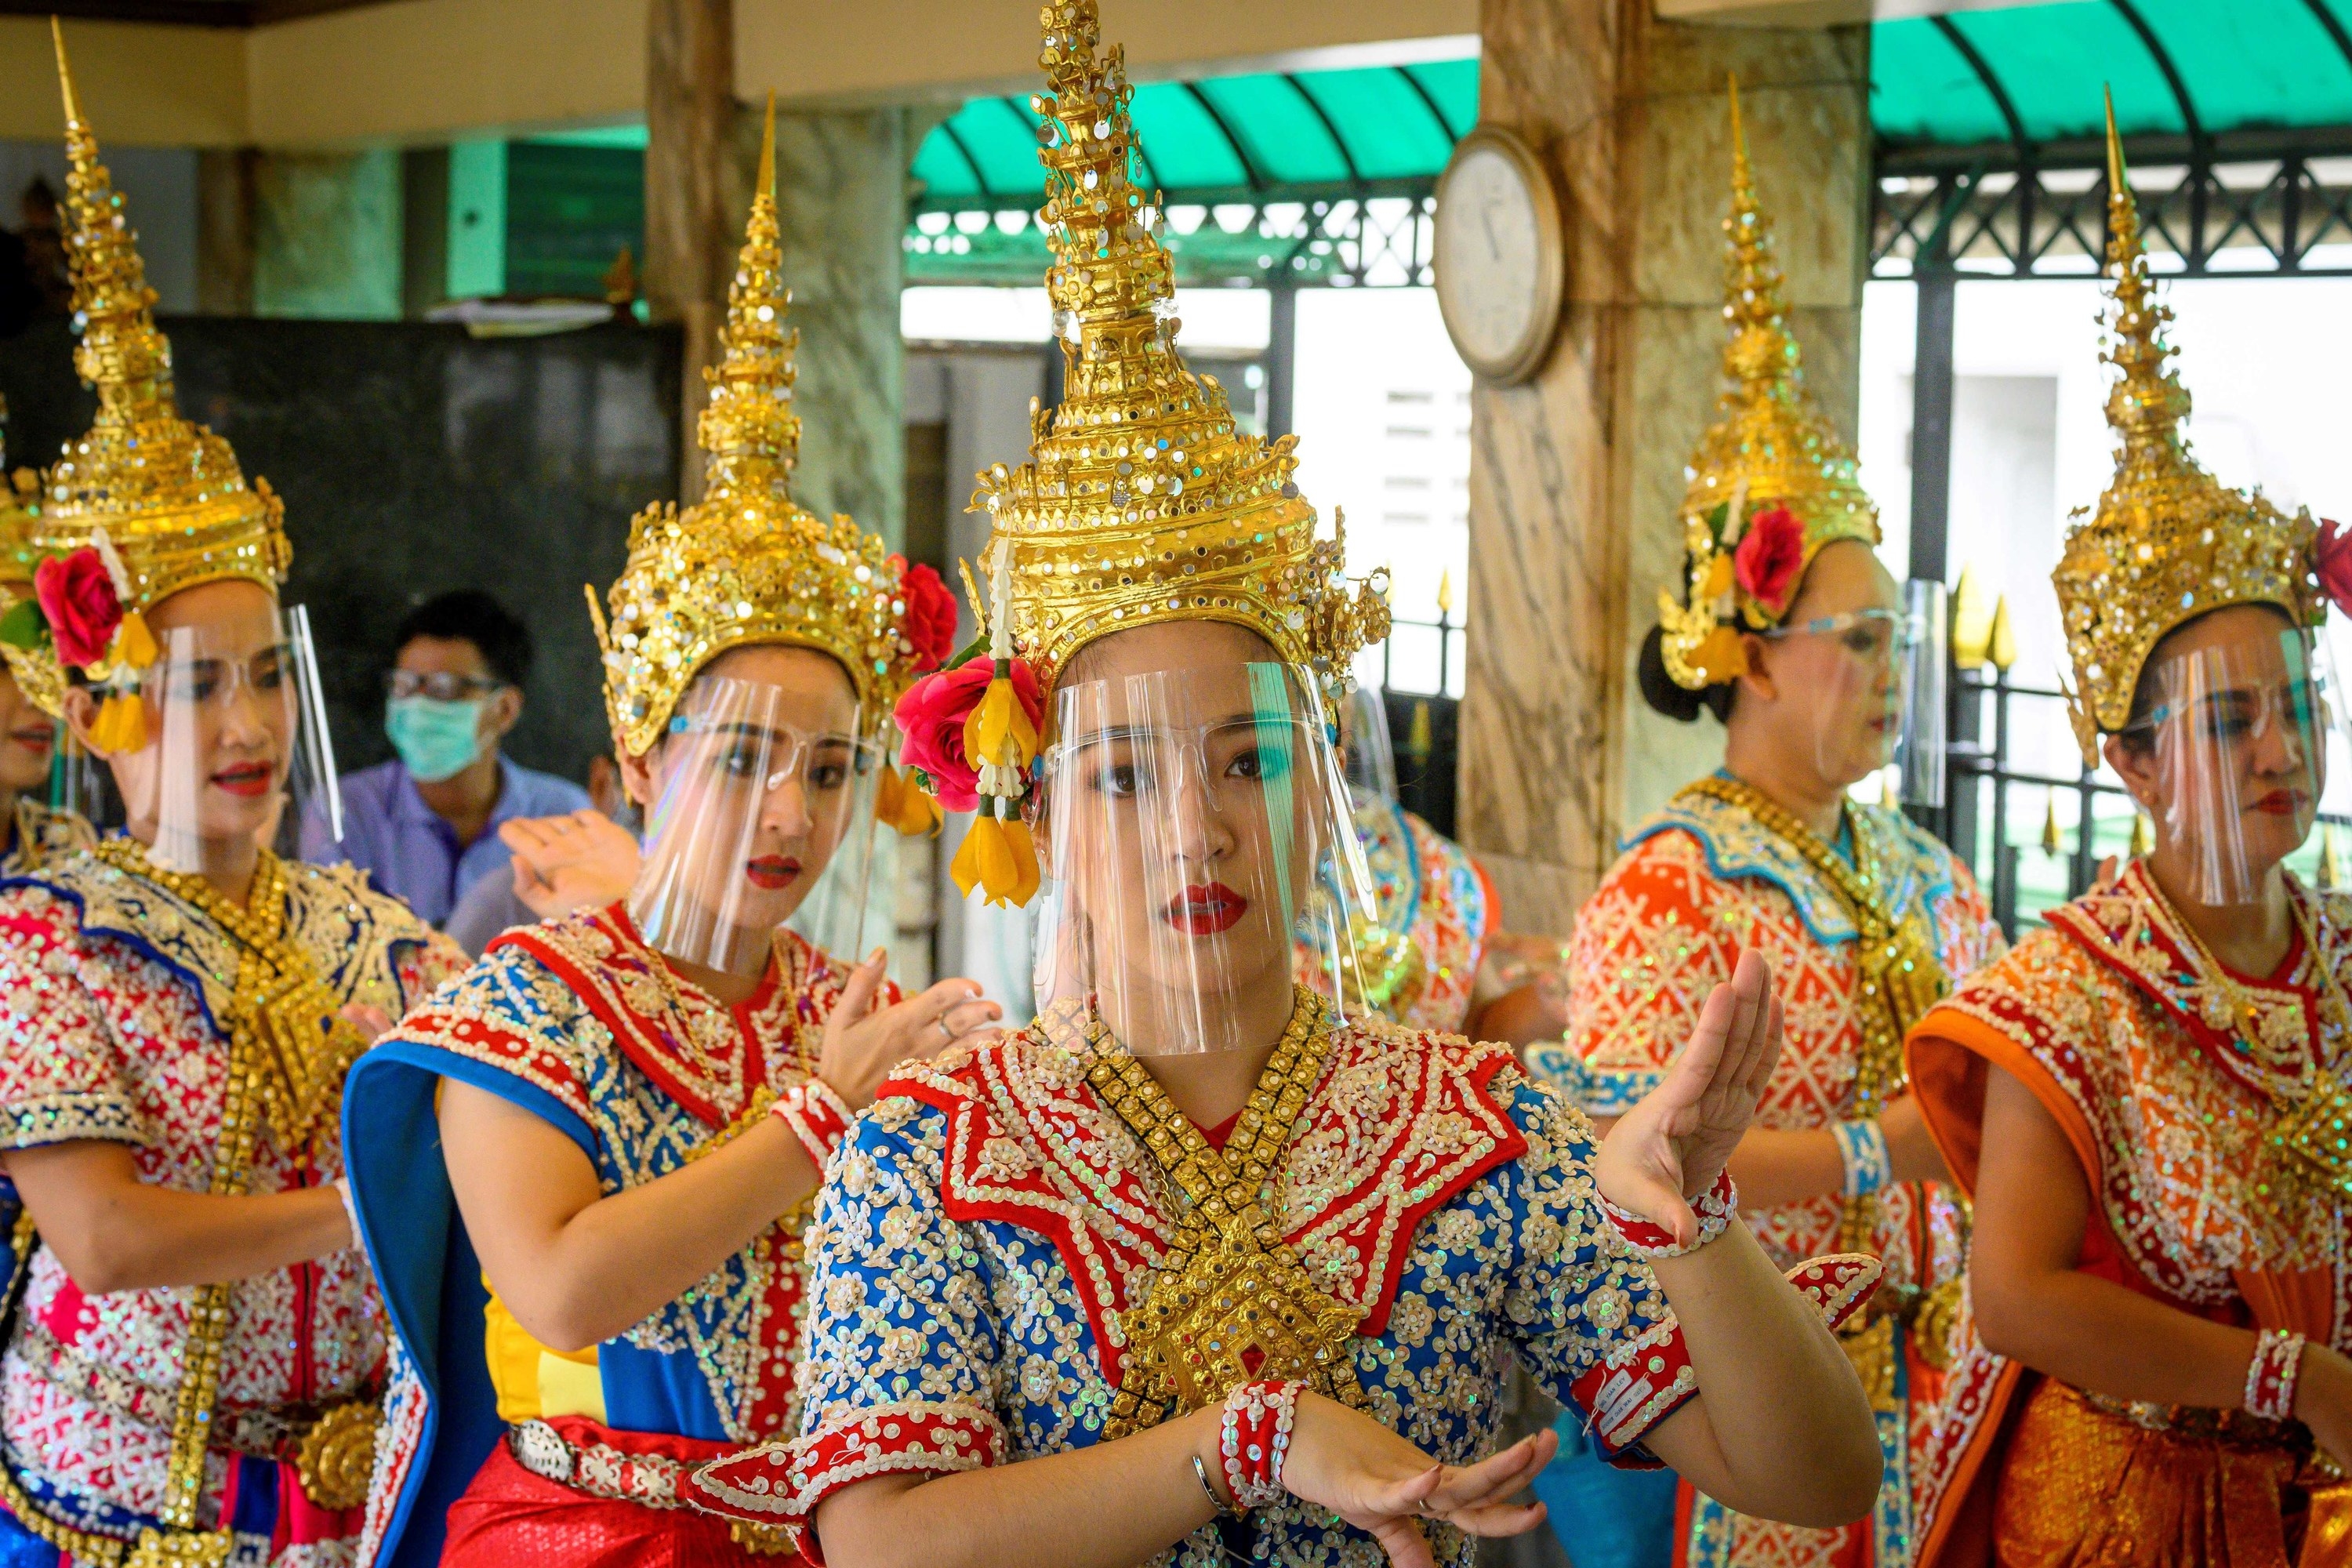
945, 1033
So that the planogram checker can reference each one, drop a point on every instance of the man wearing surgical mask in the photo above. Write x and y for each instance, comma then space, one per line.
424, 825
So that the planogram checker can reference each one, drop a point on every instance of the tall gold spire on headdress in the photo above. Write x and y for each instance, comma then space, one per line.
1142, 502
1770, 446
2169, 541
747, 564
167, 492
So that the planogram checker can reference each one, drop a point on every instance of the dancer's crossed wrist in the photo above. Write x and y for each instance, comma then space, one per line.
1646, 1238
1254, 1442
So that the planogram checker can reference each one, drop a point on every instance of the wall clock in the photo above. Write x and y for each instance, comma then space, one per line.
1501, 258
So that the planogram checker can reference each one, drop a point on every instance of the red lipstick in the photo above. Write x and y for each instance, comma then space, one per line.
2281, 802
772, 872
1205, 911
249, 780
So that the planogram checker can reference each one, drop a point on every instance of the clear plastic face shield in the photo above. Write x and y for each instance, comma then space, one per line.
762, 816
1365, 749
1196, 834
220, 745
2231, 761
1869, 685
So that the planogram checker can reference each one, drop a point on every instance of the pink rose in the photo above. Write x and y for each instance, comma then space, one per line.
77, 598
1769, 557
2333, 552
930, 620
932, 715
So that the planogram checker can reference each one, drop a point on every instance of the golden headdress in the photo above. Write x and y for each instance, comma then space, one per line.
746, 564
167, 492
159, 499
1141, 502
1771, 482
2169, 541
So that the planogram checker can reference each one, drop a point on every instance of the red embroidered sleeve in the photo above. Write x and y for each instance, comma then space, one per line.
1649, 946
62, 1076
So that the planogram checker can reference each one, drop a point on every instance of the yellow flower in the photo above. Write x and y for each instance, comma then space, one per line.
134, 645
1719, 578
900, 802
1024, 862
998, 857
1720, 657
999, 730
965, 869
121, 726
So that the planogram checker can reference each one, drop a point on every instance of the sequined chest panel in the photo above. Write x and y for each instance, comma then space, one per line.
1700, 883
110, 986
581, 1009
2110, 1003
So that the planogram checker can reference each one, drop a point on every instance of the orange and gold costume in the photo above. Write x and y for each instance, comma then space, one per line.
1699, 882
2115, 1022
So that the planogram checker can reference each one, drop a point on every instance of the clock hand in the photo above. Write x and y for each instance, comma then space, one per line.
1486, 222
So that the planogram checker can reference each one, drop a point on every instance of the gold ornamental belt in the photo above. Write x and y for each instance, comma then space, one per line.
1230, 1302
287, 1052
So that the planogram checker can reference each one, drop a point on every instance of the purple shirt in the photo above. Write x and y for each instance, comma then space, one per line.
410, 852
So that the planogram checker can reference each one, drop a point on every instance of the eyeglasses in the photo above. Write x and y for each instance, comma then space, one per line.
768, 754
197, 680
2227, 715
1872, 634
440, 685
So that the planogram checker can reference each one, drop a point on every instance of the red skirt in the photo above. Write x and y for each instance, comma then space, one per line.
512, 1518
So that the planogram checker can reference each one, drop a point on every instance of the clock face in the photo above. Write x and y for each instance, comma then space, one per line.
1497, 257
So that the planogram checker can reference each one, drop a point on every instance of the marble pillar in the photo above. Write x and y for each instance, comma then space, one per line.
690, 133
327, 235
1576, 473
841, 209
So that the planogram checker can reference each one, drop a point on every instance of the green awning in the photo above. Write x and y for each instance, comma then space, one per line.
1292, 137
1326, 175
2179, 68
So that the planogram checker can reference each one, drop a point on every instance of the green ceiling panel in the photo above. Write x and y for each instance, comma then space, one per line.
1393, 129
1922, 89
1278, 128
1182, 139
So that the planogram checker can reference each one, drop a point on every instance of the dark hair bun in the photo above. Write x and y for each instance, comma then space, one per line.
1668, 695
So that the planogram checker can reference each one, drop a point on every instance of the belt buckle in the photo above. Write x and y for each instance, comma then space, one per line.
335, 1456
542, 1451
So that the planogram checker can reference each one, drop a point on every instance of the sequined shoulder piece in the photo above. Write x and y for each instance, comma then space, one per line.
1401, 1122
352, 932
599, 956
1918, 867
45, 834
1737, 846
509, 1012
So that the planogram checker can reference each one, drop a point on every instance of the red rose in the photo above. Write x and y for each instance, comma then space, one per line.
78, 600
932, 715
2335, 561
931, 619
1769, 557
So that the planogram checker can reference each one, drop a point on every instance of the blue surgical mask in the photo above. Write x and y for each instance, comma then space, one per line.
435, 740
